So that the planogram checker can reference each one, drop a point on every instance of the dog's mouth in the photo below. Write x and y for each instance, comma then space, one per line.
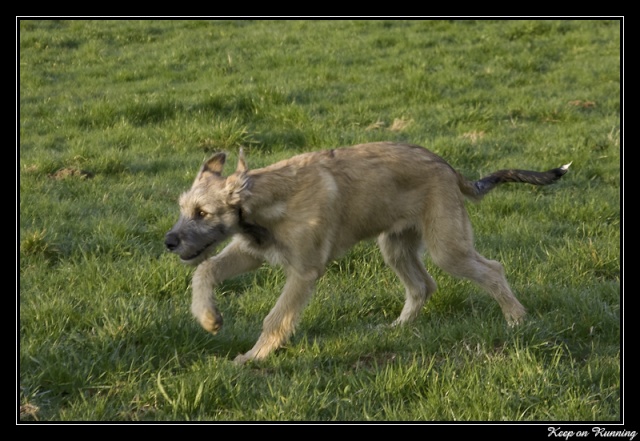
216, 236
187, 243
200, 255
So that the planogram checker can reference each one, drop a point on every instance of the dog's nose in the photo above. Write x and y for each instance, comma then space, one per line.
171, 241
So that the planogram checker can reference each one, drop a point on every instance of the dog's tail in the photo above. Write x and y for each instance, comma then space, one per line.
477, 189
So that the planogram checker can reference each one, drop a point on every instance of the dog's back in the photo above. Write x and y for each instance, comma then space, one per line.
359, 191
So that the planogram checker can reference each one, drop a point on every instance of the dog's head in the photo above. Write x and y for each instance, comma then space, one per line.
209, 211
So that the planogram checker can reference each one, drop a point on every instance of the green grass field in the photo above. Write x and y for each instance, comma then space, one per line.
116, 117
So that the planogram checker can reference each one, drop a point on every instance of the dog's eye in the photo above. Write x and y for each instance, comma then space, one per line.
200, 213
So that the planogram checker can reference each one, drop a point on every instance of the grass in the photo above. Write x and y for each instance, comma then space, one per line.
115, 117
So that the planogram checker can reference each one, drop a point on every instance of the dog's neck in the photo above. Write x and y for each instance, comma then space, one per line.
258, 234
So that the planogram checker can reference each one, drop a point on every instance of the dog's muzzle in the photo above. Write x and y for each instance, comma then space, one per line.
171, 241
188, 254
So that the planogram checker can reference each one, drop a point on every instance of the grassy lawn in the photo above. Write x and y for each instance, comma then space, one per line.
116, 117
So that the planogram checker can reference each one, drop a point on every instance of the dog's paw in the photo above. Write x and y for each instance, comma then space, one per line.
242, 359
211, 321
257, 353
515, 317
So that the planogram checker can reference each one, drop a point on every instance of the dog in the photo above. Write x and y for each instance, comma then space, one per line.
302, 212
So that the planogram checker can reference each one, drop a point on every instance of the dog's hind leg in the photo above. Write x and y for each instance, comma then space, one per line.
281, 322
402, 251
230, 262
488, 274
450, 242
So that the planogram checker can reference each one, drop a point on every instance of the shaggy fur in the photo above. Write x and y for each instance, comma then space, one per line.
302, 212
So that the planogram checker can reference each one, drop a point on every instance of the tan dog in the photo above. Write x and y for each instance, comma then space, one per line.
302, 212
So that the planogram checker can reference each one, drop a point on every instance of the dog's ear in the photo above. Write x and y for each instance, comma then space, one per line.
242, 163
212, 167
237, 184
237, 187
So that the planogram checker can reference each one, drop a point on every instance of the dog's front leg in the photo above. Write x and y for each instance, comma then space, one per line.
281, 322
231, 261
